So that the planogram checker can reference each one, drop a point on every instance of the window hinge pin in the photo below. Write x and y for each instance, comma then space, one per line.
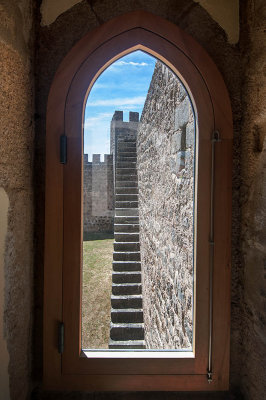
61, 337
216, 136
63, 149
209, 376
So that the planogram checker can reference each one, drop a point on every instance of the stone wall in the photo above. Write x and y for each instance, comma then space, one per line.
253, 200
98, 194
165, 154
16, 197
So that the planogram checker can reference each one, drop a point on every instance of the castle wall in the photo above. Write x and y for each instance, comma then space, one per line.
98, 194
165, 154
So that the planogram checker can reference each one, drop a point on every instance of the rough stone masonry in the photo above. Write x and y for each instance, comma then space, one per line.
98, 193
165, 164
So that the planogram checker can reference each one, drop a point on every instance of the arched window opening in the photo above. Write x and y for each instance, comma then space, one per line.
204, 366
138, 294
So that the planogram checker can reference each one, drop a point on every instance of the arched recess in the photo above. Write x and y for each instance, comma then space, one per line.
73, 79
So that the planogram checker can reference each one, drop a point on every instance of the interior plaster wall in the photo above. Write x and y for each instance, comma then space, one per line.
16, 197
51, 9
225, 12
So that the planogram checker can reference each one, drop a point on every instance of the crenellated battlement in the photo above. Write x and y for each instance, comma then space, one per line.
118, 116
96, 159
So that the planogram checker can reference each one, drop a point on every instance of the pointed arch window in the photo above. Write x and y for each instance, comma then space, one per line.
206, 367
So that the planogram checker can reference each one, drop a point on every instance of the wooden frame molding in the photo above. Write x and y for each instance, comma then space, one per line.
73, 80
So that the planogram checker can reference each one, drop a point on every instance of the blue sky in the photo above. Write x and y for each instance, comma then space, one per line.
122, 86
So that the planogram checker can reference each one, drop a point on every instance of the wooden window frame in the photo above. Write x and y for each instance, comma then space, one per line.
62, 277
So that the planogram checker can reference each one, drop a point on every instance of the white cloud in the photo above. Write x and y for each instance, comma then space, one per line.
92, 121
137, 87
138, 100
135, 64
131, 107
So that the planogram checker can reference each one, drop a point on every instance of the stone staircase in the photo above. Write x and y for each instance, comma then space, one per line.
126, 330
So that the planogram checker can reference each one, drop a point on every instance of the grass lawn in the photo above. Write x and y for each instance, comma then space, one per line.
96, 292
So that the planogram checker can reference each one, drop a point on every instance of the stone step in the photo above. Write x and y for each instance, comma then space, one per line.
129, 331
126, 228
121, 143
129, 219
126, 190
125, 266
126, 171
126, 158
124, 143
126, 212
126, 197
125, 289
126, 246
126, 256
127, 139
126, 177
124, 150
126, 164
126, 147
120, 184
127, 344
126, 237
126, 204
127, 315
132, 301
126, 277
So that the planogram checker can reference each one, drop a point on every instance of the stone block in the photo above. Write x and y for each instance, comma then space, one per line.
133, 116
96, 158
118, 116
182, 113
190, 134
176, 141
182, 93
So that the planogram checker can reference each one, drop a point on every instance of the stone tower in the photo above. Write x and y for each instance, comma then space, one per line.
120, 128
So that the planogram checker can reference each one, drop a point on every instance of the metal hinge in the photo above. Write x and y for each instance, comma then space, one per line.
63, 149
209, 376
216, 136
61, 337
